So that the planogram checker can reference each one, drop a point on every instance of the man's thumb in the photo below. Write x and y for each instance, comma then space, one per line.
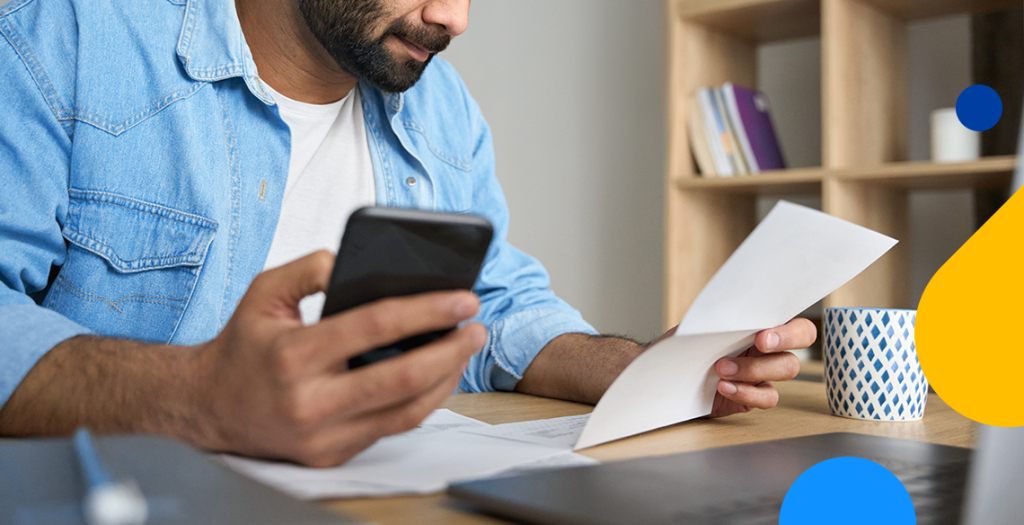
297, 279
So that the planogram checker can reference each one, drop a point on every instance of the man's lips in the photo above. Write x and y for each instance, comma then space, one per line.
417, 52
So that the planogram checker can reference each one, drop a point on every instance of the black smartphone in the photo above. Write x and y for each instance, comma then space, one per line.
390, 252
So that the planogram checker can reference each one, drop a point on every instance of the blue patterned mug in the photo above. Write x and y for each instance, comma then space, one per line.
871, 367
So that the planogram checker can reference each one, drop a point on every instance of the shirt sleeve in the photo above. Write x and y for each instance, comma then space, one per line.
35, 149
517, 303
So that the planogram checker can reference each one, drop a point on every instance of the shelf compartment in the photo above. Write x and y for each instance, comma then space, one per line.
756, 21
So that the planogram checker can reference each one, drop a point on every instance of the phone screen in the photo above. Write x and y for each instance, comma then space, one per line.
390, 252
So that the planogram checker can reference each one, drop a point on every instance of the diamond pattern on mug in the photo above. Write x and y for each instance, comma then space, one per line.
901, 391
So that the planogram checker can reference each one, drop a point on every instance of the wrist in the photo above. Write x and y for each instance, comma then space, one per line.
200, 425
578, 367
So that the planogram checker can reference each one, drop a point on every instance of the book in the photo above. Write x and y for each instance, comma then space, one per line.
722, 133
729, 140
750, 115
697, 132
713, 128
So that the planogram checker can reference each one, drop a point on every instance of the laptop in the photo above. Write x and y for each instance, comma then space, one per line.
41, 484
743, 484
996, 478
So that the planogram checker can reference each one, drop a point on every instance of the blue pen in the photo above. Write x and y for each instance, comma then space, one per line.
107, 501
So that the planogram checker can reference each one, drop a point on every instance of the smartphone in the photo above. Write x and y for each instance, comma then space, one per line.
392, 252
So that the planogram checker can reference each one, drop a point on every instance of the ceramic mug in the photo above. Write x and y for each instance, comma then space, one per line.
871, 366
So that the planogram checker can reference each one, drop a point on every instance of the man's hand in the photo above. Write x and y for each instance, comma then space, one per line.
580, 367
266, 385
275, 388
745, 382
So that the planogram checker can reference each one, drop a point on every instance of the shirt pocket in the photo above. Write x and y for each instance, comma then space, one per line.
131, 266
450, 170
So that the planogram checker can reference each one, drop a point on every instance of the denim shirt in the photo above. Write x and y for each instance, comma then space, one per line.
142, 166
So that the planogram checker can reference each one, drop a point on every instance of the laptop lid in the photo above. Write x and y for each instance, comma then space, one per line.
739, 484
996, 478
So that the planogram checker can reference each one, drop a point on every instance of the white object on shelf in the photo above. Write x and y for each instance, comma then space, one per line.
951, 140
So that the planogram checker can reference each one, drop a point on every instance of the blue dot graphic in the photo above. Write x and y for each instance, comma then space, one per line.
979, 108
847, 491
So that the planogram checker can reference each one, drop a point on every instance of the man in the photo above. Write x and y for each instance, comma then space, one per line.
157, 155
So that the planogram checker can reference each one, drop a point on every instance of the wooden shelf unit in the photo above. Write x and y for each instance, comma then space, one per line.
864, 176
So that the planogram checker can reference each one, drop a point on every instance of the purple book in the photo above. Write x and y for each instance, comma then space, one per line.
751, 118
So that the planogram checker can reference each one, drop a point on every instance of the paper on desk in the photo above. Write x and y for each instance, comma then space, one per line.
558, 432
422, 461
440, 420
793, 259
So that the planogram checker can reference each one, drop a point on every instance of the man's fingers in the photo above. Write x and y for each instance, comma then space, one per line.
353, 332
397, 380
348, 437
796, 334
760, 395
745, 380
770, 367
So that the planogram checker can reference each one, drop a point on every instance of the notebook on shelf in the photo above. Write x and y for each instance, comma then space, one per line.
751, 119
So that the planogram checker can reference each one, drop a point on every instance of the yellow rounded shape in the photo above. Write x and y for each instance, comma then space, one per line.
969, 322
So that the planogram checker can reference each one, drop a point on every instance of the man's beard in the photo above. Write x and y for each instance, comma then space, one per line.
344, 28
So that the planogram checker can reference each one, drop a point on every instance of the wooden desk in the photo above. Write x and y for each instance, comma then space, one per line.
802, 411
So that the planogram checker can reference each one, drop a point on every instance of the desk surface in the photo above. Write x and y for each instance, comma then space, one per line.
802, 410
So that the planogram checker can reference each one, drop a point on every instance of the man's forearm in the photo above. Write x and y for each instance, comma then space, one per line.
114, 385
578, 367
109, 385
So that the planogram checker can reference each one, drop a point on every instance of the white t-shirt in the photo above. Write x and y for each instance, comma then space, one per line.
330, 175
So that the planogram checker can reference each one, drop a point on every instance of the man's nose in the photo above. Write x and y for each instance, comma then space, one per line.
452, 15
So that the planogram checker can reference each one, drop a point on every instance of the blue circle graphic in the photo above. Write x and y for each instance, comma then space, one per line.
847, 491
979, 108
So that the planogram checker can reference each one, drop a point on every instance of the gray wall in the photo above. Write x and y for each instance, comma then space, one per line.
573, 91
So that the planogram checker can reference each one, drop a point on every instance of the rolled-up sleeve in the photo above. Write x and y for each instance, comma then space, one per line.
34, 159
28, 332
512, 344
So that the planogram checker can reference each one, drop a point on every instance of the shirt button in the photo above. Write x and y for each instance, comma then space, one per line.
410, 181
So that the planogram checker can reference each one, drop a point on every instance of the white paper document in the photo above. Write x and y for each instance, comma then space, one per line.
794, 258
559, 432
442, 450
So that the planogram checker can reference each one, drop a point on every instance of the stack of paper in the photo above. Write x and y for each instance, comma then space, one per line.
446, 448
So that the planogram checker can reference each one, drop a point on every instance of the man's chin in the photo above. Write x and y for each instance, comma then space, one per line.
383, 68
402, 76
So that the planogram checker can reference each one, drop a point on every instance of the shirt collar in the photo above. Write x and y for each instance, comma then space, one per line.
212, 47
394, 101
